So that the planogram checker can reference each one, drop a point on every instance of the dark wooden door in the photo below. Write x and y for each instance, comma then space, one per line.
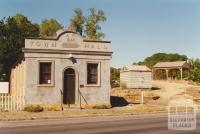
69, 86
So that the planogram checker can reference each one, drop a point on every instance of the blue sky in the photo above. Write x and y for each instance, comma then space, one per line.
137, 28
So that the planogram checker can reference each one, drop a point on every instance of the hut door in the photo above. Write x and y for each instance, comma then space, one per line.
69, 86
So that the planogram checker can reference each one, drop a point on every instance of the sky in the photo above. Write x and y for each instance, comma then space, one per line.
137, 28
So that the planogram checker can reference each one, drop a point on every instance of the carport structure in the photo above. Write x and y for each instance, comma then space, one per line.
167, 66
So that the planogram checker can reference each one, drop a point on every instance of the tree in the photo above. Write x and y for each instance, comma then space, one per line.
92, 24
13, 32
194, 74
163, 57
78, 21
48, 27
115, 73
114, 77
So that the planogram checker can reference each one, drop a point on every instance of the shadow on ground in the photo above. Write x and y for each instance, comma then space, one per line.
155, 88
117, 101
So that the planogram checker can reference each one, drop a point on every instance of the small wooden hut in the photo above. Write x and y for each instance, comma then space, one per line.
136, 76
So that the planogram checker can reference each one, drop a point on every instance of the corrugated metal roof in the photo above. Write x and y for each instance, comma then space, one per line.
135, 68
171, 64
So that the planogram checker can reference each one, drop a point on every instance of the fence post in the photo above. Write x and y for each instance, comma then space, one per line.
17, 103
1, 100
11, 103
5, 102
8, 102
21, 98
14, 104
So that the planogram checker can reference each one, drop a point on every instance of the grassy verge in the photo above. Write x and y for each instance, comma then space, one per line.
129, 110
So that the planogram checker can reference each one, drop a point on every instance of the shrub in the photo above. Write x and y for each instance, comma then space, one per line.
156, 97
34, 108
115, 83
2, 110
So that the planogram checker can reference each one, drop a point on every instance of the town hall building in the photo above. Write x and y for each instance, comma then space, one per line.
63, 69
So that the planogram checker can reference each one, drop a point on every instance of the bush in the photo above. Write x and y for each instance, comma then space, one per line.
34, 108
115, 83
195, 75
1, 110
155, 97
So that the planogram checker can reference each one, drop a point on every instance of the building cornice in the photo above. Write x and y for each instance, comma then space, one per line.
75, 52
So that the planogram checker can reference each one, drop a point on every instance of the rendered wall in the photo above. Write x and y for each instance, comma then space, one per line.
37, 94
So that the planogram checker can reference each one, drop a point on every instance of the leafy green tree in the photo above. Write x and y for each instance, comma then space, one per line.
48, 27
114, 77
13, 32
115, 73
194, 74
92, 24
78, 21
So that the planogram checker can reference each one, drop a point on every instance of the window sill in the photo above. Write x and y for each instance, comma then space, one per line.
92, 85
45, 85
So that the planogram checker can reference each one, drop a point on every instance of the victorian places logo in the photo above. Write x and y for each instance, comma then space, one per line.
182, 114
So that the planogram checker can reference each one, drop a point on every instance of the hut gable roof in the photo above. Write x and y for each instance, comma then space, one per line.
139, 68
175, 64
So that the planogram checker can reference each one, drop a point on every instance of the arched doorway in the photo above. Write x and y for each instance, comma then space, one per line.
69, 86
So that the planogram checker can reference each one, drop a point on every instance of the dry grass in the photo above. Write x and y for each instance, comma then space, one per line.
128, 110
165, 92
133, 95
194, 93
100, 106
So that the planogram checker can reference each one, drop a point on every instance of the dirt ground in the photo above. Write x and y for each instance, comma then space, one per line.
161, 93
124, 102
